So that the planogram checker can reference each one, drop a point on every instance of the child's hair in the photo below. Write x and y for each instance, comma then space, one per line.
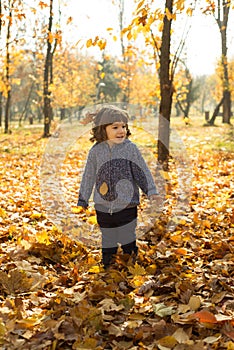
106, 116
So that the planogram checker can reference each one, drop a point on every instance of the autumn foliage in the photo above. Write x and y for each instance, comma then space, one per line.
55, 295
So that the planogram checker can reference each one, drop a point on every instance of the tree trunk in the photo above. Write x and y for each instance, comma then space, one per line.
7, 112
0, 17
8, 85
1, 109
125, 58
26, 104
216, 112
47, 109
165, 90
222, 20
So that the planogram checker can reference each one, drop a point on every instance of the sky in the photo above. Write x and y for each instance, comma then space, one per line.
93, 17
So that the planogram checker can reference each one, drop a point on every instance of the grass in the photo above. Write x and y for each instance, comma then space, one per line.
219, 137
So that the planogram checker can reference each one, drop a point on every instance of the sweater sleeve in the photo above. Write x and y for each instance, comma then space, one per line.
142, 174
88, 180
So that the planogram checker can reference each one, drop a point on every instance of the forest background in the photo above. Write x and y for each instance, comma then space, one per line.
54, 293
77, 76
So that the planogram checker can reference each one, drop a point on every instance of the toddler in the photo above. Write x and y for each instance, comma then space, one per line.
116, 170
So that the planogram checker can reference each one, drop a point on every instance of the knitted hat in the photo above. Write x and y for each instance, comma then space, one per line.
109, 115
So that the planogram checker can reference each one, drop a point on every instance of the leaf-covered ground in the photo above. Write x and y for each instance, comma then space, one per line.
178, 295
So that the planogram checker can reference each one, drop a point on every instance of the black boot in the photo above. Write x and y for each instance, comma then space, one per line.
107, 256
130, 248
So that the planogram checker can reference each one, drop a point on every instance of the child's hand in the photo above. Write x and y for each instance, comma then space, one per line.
153, 197
156, 202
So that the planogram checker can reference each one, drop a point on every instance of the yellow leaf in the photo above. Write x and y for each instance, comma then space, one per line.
29, 322
102, 75
206, 223
165, 175
137, 270
50, 37
168, 342
42, 237
3, 213
89, 43
230, 345
189, 11
151, 269
170, 15
129, 35
182, 222
140, 4
115, 38
77, 210
180, 5
92, 220
35, 216
16, 81
99, 67
12, 229
176, 238
102, 44
2, 331
94, 269
160, 27
89, 343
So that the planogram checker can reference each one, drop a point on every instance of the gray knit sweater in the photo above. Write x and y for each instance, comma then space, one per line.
116, 174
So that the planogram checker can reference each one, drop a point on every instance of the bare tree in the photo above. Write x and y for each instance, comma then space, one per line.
125, 55
221, 15
13, 12
7, 74
48, 75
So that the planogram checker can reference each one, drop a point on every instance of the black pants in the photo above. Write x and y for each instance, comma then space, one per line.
118, 228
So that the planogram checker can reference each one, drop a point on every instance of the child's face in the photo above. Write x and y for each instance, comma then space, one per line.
116, 132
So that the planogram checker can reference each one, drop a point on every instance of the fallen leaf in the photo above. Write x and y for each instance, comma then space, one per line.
162, 310
181, 336
212, 339
167, 342
194, 303
137, 270
205, 317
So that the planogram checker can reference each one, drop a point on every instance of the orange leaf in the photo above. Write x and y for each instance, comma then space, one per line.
69, 20
20, 16
42, 4
181, 251
205, 317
